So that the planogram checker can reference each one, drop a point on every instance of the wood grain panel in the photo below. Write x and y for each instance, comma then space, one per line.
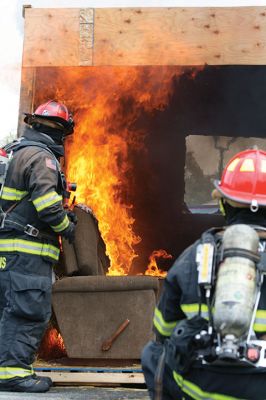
57, 37
145, 36
180, 36
26, 94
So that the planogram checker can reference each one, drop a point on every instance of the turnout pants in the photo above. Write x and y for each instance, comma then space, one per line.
203, 382
25, 310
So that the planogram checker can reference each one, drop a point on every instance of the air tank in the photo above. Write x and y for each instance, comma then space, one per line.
236, 282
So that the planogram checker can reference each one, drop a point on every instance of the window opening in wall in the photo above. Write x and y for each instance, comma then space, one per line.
206, 157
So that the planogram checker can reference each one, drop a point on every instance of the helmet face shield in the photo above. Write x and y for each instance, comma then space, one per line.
244, 179
52, 114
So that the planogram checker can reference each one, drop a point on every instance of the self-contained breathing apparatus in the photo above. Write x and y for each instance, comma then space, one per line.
231, 268
234, 272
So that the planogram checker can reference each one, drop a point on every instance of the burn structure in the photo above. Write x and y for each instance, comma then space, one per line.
225, 101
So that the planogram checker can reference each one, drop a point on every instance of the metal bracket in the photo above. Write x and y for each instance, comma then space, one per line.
31, 230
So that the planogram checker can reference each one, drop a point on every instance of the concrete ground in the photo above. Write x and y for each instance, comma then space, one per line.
80, 393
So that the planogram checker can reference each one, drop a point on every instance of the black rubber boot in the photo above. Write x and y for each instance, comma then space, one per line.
43, 378
30, 385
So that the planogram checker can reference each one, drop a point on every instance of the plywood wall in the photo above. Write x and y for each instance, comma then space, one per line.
58, 37
145, 36
64, 37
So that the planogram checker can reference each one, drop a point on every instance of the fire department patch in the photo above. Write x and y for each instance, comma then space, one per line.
50, 163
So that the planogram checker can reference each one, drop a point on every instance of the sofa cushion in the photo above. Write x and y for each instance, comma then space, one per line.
90, 310
106, 283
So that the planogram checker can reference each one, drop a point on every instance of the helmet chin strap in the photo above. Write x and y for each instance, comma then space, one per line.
243, 215
253, 206
221, 207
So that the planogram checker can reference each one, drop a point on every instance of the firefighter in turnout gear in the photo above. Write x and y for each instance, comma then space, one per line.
32, 219
192, 357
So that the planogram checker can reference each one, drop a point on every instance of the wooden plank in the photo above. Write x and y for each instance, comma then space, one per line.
180, 36
141, 36
26, 94
94, 378
58, 37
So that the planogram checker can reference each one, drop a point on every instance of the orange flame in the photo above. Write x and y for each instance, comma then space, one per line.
97, 158
152, 268
108, 103
52, 345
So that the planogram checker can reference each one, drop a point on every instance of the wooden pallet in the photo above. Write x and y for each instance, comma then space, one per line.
90, 376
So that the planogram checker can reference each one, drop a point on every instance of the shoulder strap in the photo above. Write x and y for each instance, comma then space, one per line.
21, 143
216, 232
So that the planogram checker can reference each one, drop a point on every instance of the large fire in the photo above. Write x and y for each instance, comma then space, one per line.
97, 159
107, 103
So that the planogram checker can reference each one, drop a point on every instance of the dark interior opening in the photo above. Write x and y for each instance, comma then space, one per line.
227, 101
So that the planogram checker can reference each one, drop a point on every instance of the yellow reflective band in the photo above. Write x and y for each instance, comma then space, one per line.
261, 314
193, 309
260, 321
195, 392
263, 166
233, 164
47, 200
247, 166
13, 194
259, 327
163, 327
63, 225
13, 372
26, 246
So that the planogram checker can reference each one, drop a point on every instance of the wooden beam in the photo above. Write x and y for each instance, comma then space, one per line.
145, 36
180, 36
94, 377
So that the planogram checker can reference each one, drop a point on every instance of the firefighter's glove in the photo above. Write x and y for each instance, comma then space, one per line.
69, 233
72, 217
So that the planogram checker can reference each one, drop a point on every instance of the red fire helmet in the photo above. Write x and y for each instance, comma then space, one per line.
52, 111
244, 179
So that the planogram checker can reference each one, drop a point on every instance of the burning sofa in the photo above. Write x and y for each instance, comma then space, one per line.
101, 316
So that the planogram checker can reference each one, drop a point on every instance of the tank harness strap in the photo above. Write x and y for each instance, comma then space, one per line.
235, 252
28, 229
21, 143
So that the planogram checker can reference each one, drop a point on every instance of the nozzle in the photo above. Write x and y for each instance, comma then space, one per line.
71, 186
